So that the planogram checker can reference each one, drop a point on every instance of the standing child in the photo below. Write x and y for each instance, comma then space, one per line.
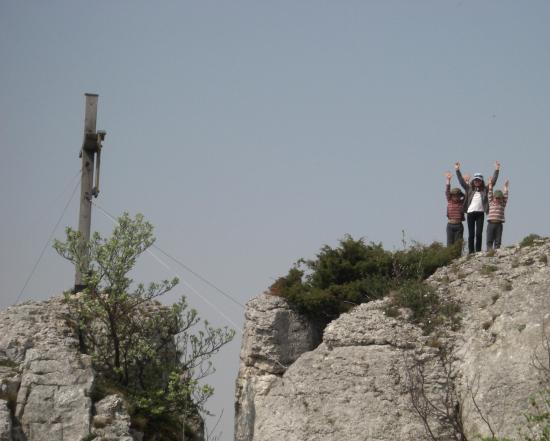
476, 204
495, 219
455, 212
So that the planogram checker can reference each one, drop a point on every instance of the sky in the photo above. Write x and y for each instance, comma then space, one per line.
251, 133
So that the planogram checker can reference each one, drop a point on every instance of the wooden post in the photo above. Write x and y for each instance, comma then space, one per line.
91, 146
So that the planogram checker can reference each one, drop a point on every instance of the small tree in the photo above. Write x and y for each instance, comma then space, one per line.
141, 348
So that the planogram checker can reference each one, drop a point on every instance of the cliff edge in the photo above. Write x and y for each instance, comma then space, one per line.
361, 380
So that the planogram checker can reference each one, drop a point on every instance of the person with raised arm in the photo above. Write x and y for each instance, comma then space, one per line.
495, 219
476, 204
455, 212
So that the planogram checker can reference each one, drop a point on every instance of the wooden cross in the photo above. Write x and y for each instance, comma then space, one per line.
91, 155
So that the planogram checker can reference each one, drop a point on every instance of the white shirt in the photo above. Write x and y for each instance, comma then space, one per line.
477, 203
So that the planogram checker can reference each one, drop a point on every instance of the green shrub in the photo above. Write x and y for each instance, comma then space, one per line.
529, 240
429, 311
421, 261
488, 270
420, 298
356, 272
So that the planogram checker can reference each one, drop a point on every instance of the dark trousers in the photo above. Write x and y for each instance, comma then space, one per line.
494, 234
455, 233
475, 230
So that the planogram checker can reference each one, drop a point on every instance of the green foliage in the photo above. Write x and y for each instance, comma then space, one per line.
492, 438
538, 418
420, 298
356, 272
529, 240
428, 310
6, 362
488, 270
421, 261
148, 352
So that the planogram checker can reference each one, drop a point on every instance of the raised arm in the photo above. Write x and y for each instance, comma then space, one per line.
506, 191
448, 185
464, 184
496, 172
490, 190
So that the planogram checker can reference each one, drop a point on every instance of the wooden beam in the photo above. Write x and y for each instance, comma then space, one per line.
89, 148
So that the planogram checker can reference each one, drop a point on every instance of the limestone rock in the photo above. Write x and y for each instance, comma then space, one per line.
274, 337
352, 386
5, 422
43, 373
47, 381
111, 422
367, 325
506, 315
356, 384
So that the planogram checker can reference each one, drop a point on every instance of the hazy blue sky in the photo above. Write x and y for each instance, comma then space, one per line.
252, 133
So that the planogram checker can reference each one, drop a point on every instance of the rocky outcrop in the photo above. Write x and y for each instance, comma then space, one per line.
111, 422
45, 382
274, 337
356, 384
505, 317
48, 377
5, 422
352, 386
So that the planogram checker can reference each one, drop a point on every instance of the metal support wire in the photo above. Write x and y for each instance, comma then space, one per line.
46, 245
163, 263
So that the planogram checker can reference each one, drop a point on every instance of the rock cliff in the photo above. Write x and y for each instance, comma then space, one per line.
356, 384
45, 382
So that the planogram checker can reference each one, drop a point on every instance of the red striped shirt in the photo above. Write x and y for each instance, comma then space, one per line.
455, 207
496, 207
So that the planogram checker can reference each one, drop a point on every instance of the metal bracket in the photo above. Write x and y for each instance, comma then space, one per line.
100, 138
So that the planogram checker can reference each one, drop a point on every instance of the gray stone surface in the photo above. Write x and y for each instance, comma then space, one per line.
44, 374
45, 378
5, 422
111, 421
274, 337
354, 385
506, 313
